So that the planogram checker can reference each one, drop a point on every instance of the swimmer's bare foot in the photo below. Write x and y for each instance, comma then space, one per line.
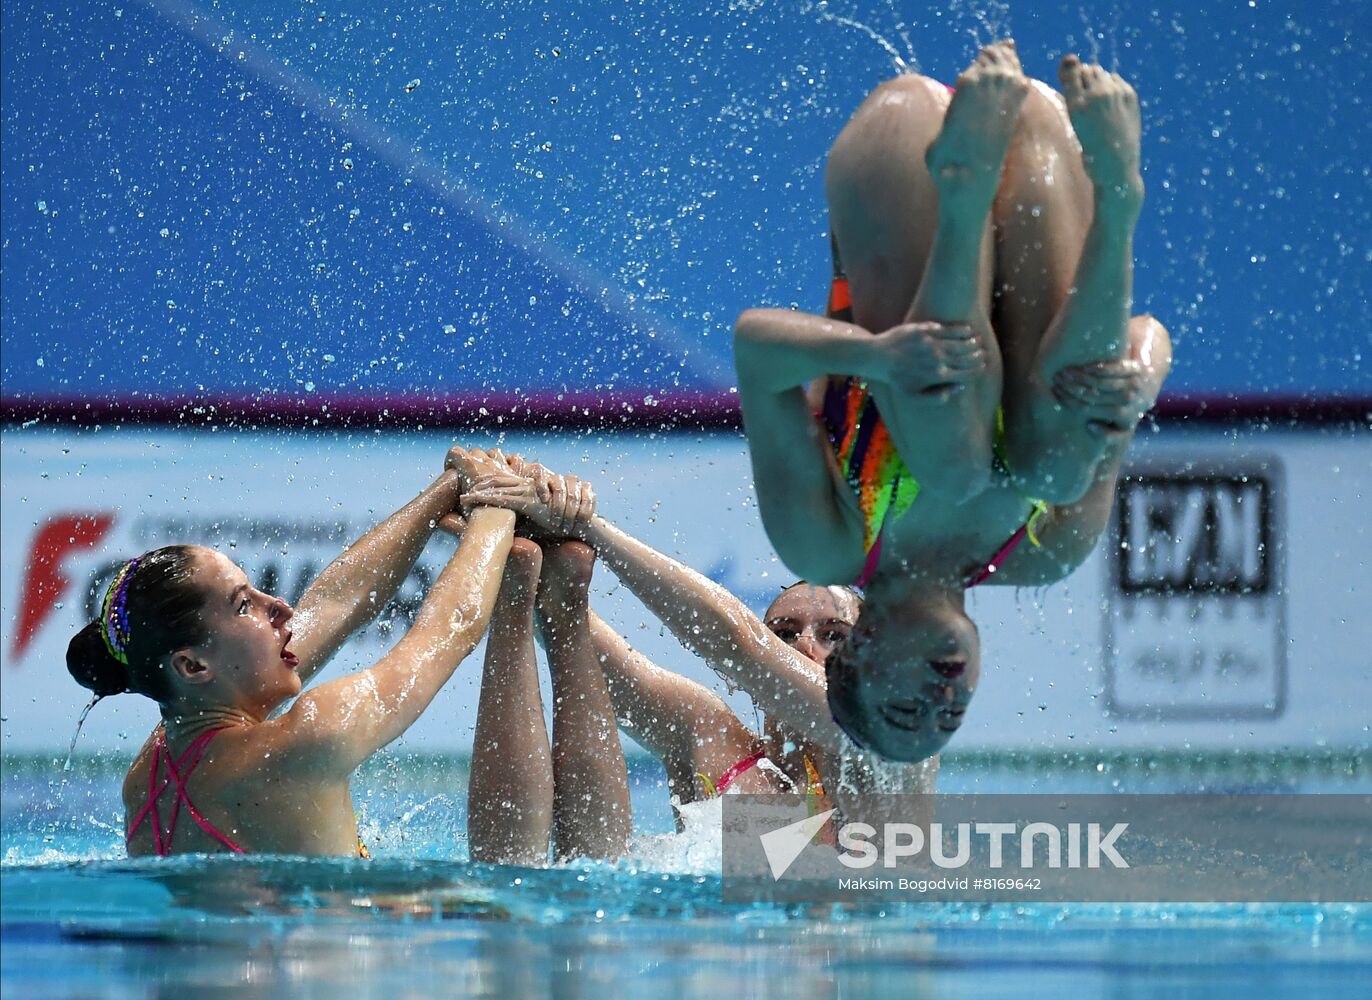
965, 160
1105, 115
566, 581
523, 567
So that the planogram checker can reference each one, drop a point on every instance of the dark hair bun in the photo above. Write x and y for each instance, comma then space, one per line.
90, 662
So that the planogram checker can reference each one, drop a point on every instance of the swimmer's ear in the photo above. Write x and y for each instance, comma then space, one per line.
189, 667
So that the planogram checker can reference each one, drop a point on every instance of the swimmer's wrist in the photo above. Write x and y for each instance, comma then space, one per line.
443, 495
489, 518
859, 355
587, 531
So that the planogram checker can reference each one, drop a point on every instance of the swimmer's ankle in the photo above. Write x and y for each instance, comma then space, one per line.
1121, 199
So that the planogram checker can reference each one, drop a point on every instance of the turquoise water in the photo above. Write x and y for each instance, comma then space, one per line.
78, 919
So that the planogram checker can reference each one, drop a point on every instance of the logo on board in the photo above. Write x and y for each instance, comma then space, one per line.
1196, 623
73, 556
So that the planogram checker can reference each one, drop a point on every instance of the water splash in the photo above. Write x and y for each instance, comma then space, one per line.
80, 723
897, 59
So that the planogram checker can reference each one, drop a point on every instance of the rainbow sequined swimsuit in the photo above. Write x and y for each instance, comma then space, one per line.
872, 467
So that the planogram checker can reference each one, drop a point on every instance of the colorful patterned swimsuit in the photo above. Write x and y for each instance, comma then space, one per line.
872, 467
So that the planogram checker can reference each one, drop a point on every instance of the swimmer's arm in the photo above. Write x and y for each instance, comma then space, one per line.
347, 720
671, 716
939, 370
354, 588
779, 349
716, 625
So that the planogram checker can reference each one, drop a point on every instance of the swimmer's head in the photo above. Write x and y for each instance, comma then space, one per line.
813, 620
183, 626
901, 684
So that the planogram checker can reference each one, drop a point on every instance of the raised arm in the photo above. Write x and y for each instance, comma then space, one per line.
354, 588
684, 724
704, 617
780, 349
347, 720
717, 626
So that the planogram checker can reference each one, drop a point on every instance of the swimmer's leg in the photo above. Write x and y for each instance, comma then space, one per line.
965, 163
1053, 445
1042, 212
591, 812
910, 183
510, 795
883, 206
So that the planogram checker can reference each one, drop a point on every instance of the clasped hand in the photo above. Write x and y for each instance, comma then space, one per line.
556, 505
1114, 395
934, 360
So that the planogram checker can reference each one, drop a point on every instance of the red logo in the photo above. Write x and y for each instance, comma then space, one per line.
45, 583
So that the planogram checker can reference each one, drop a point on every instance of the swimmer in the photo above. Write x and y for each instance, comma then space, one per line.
978, 352
184, 626
779, 661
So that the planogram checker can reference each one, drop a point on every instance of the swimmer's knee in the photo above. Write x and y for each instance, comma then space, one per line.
1150, 342
1043, 112
911, 86
884, 121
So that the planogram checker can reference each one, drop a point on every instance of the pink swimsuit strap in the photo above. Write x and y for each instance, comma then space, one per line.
741, 767
869, 567
980, 576
178, 773
998, 560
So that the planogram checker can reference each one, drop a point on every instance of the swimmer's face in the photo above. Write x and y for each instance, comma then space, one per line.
901, 684
247, 654
813, 620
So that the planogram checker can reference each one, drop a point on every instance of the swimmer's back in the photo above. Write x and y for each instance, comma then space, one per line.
256, 803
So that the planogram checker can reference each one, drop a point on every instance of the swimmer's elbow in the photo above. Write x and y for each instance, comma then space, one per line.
751, 334
1058, 489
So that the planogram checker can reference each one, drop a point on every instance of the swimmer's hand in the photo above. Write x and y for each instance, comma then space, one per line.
558, 505
453, 524
1112, 395
932, 360
472, 464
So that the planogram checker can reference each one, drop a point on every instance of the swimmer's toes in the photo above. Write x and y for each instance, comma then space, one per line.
994, 54
1069, 74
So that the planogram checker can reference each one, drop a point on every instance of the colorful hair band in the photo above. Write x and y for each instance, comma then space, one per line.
114, 613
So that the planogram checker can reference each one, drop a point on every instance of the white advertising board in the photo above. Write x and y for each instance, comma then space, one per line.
1225, 608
